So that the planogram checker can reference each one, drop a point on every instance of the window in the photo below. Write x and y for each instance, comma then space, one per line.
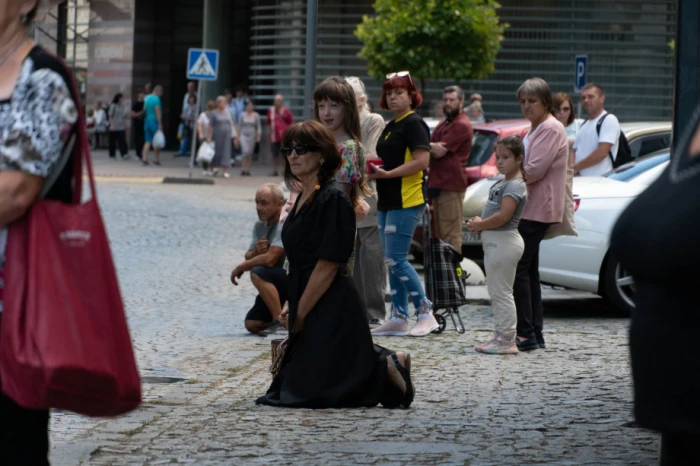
482, 148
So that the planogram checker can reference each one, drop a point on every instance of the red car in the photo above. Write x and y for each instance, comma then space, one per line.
482, 159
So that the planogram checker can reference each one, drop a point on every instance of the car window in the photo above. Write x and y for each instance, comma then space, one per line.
644, 145
654, 143
482, 148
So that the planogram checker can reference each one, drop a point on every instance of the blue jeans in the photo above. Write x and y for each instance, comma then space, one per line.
396, 229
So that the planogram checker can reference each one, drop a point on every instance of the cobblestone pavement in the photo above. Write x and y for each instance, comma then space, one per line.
174, 247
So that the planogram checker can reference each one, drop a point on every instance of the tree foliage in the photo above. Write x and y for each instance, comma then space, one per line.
433, 39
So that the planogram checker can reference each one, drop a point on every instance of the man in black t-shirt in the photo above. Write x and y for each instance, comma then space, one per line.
137, 117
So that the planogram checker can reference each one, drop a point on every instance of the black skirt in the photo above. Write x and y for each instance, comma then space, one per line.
333, 363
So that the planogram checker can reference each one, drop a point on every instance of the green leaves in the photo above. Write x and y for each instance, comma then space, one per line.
433, 39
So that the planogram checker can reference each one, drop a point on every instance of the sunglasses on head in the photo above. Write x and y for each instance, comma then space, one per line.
401, 74
300, 149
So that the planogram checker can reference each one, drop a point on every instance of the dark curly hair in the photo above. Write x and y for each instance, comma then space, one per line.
313, 134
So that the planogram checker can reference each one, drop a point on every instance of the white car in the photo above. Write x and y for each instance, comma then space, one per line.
584, 262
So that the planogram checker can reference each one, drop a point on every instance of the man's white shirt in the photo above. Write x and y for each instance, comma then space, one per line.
587, 141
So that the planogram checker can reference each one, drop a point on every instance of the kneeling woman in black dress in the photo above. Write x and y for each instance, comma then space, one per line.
330, 360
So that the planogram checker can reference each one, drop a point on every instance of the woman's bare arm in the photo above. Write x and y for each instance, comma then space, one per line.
18, 191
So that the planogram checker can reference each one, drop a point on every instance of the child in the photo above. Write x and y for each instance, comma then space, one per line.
503, 245
335, 107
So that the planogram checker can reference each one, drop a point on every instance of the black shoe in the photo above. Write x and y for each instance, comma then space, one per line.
540, 340
275, 327
527, 345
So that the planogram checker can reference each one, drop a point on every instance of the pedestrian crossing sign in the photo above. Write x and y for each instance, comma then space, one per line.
202, 64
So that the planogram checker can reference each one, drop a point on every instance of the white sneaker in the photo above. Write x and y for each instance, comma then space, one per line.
226, 175
425, 326
395, 328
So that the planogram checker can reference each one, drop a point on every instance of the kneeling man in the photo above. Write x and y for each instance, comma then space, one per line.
265, 262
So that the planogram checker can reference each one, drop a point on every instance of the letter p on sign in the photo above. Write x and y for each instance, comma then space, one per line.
580, 72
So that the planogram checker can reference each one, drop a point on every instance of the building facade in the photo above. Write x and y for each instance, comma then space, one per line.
125, 44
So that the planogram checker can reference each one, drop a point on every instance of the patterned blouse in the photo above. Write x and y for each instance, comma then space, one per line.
36, 121
353, 160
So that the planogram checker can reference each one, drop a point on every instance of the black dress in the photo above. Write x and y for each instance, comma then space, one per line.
332, 363
656, 240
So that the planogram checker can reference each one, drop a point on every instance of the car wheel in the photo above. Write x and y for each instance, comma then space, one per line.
619, 286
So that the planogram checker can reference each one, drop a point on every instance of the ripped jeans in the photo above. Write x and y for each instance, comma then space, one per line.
396, 229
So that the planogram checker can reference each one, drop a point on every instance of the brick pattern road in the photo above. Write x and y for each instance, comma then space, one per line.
174, 248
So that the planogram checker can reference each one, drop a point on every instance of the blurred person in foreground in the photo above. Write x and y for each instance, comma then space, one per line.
37, 120
655, 241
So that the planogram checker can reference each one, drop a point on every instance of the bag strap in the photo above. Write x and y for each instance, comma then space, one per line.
58, 168
81, 149
597, 130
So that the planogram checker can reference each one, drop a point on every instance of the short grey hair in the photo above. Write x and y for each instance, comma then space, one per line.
358, 86
537, 87
275, 189
454, 88
221, 98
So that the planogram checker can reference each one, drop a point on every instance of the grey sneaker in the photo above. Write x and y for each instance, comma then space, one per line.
275, 327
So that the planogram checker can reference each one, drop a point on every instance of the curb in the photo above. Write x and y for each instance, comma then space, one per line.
182, 180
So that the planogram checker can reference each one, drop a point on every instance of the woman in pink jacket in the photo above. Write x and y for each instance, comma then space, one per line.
546, 151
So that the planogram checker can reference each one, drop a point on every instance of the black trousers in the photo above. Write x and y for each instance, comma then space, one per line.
526, 289
138, 136
679, 449
118, 137
24, 435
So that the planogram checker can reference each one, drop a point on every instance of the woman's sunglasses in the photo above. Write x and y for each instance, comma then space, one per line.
562, 109
401, 74
300, 149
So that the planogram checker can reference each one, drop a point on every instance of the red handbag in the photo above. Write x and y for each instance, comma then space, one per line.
64, 340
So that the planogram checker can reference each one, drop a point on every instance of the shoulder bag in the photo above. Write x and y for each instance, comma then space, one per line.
567, 227
64, 340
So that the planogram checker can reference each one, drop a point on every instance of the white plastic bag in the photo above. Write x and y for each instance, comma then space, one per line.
205, 152
159, 140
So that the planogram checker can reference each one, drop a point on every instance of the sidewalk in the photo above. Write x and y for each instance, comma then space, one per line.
133, 171
569, 404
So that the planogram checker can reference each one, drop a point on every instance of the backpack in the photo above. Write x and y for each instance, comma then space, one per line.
624, 153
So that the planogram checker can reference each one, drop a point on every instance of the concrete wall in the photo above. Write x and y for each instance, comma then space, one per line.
110, 50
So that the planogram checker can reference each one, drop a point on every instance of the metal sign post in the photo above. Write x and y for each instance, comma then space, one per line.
202, 65
310, 84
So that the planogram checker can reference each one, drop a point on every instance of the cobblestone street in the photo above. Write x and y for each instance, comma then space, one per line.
174, 248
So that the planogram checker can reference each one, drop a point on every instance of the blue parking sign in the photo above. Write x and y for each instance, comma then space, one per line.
202, 64
580, 72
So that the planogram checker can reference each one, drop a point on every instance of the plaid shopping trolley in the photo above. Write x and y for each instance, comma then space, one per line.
444, 277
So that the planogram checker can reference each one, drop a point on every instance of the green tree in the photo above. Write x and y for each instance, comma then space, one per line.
433, 39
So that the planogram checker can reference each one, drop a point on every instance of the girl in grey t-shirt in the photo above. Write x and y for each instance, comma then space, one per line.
503, 245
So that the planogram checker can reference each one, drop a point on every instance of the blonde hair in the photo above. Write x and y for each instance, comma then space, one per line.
359, 87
